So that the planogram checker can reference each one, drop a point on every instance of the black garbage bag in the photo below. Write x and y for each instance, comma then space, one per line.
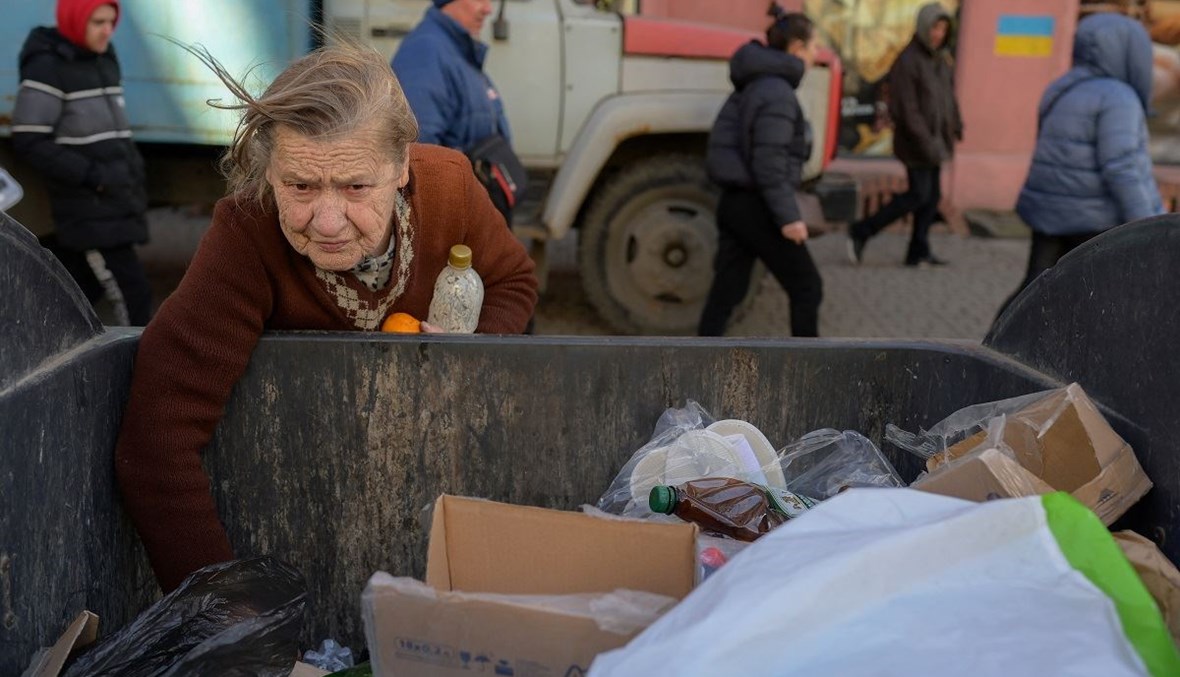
237, 618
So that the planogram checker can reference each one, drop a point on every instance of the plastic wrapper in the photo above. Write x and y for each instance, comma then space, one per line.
330, 656
688, 444
823, 463
621, 611
976, 419
238, 618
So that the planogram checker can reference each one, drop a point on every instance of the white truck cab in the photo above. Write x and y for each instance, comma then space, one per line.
610, 112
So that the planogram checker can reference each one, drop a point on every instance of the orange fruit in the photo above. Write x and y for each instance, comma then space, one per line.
401, 323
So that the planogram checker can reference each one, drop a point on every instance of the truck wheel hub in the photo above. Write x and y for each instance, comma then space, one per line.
675, 255
669, 252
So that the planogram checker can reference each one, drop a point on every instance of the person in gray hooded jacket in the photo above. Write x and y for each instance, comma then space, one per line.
757, 149
1091, 169
926, 125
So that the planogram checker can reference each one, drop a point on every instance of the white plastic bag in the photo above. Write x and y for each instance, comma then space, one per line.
899, 582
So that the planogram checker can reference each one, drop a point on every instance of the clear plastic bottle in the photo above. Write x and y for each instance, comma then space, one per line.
458, 294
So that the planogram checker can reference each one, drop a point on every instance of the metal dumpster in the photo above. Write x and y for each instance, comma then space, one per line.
333, 443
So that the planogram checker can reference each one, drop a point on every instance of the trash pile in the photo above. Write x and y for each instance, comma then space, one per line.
715, 552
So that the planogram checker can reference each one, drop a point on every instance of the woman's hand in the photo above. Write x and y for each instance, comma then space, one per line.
795, 232
428, 328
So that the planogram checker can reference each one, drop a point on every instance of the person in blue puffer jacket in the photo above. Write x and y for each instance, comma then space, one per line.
440, 67
1091, 170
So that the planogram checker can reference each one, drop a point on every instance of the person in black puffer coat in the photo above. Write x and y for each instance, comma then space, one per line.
757, 149
69, 123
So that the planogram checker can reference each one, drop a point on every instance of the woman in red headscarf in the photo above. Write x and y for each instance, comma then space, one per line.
70, 124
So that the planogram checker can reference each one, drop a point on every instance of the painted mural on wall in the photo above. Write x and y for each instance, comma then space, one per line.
868, 35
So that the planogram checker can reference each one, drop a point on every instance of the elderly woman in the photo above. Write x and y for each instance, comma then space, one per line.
335, 220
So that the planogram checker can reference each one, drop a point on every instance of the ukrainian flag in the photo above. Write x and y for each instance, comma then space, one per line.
1022, 35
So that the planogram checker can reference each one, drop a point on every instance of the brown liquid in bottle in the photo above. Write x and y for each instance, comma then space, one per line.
726, 506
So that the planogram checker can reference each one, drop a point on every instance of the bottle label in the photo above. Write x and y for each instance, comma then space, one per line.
788, 504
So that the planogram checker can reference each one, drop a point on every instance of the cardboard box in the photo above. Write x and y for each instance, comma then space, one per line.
449, 626
1159, 576
985, 476
82, 632
1061, 440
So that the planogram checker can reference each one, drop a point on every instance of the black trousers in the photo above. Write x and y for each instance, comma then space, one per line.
748, 232
921, 199
1045, 252
124, 266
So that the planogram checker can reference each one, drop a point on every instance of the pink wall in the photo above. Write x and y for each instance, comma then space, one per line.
999, 97
748, 14
998, 94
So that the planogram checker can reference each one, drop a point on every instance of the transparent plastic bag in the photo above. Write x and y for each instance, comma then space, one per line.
620, 611
974, 420
688, 444
673, 421
824, 462
714, 552
236, 618
619, 498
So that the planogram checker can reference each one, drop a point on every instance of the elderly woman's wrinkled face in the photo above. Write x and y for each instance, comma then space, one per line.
335, 196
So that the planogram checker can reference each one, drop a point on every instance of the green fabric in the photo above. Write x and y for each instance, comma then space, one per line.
1090, 549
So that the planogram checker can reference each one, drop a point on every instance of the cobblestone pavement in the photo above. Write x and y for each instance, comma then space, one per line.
880, 299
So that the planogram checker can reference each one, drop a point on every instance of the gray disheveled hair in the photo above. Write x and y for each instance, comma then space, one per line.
333, 91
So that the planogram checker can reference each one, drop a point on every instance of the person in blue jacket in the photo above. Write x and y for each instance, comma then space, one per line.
1091, 169
440, 67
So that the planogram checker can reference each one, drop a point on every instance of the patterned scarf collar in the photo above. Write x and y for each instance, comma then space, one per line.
374, 271
365, 315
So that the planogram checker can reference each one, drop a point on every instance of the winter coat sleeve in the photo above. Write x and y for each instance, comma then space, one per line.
34, 122
771, 126
190, 357
1120, 156
424, 81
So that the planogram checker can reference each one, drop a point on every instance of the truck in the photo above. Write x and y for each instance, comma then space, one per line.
610, 112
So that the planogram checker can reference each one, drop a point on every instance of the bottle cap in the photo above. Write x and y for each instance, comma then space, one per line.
460, 256
662, 499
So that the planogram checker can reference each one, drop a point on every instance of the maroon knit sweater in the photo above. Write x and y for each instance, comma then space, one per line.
244, 279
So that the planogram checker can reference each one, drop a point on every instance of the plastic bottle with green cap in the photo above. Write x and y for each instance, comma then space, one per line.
458, 294
728, 506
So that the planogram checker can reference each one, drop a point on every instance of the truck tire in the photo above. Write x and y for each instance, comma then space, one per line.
646, 247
